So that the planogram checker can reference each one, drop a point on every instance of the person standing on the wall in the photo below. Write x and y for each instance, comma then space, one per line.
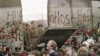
33, 33
40, 30
27, 36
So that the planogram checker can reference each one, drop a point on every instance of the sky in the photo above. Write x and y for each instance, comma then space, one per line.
34, 10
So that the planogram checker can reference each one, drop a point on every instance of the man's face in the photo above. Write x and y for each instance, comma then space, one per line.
4, 48
33, 24
77, 45
92, 51
49, 45
39, 27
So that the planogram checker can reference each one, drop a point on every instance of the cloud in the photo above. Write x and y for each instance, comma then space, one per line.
33, 9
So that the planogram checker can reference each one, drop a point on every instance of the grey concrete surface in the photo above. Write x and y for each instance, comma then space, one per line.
10, 3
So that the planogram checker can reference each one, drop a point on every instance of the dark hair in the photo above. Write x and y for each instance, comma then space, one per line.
32, 22
3, 45
40, 25
27, 25
7, 49
95, 48
44, 52
17, 49
28, 49
74, 39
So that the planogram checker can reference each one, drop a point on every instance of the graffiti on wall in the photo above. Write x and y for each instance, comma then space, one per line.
82, 16
11, 24
59, 13
59, 18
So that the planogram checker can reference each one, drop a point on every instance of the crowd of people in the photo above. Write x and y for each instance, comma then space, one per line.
72, 47
68, 49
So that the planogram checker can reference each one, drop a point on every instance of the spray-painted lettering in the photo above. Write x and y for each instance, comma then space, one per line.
59, 18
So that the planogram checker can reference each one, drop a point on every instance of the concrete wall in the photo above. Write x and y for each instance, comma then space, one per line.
11, 15
10, 3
